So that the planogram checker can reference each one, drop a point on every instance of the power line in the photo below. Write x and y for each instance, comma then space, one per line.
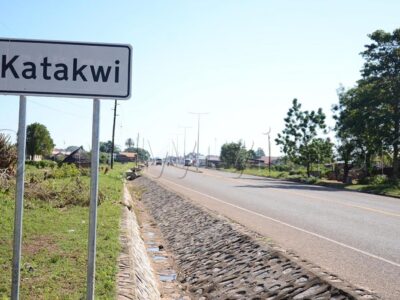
113, 135
56, 109
72, 101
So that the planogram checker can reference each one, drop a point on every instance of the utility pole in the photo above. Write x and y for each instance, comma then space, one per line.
269, 149
113, 135
151, 151
198, 137
208, 156
177, 150
143, 145
137, 150
184, 141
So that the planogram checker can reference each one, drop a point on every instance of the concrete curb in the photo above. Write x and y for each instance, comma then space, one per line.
135, 278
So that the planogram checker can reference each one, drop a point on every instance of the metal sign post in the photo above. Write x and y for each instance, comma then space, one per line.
62, 69
93, 200
19, 199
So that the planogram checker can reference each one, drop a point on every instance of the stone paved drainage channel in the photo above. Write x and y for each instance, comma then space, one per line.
216, 259
160, 258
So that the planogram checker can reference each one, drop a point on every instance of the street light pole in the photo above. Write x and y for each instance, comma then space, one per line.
184, 141
269, 149
113, 136
198, 137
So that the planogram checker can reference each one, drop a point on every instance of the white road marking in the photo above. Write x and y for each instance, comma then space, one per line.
289, 225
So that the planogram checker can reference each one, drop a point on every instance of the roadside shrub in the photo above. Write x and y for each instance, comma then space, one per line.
84, 171
395, 182
74, 192
295, 177
297, 172
62, 187
66, 170
7, 182
42, 164
284, 168
103, 157
8, 153
379, 179
364, 180
48, 164
281, 175
310, 180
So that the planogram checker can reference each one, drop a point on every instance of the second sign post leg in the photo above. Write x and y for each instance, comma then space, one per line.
94, 184
19, 200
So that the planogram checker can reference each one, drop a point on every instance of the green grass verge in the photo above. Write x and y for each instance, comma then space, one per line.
380, 189
55, 244
261, 172
386, 189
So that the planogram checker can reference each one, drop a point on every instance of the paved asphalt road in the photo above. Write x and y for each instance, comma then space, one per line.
353, 235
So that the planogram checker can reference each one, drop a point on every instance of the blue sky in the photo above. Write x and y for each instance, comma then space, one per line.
241, 61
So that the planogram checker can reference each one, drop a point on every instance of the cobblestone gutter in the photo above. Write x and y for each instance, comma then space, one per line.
135, 279
217, 260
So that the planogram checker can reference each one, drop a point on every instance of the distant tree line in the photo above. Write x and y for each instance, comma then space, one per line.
235, 155
143, 154
367, 115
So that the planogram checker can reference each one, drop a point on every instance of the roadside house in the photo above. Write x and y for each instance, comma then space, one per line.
263, 161
79, 157
58, 154
213, 161
125, 157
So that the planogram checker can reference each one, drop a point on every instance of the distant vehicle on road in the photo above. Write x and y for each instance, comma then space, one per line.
158, 161
188, 162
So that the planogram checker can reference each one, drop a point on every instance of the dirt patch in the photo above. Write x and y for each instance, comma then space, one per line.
39, 243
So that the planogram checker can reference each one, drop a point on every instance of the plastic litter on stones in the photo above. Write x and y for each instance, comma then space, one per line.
167, 277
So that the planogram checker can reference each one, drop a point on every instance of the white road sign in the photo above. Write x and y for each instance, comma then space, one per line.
65, 69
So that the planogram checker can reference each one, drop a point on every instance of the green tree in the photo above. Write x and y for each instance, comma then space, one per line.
251, 154
346, 153
107, 146
143, 154
301, 128
360, 125
320, 151
129, 143
103, 157
260, 152
382, 70
38, 140
234, 155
